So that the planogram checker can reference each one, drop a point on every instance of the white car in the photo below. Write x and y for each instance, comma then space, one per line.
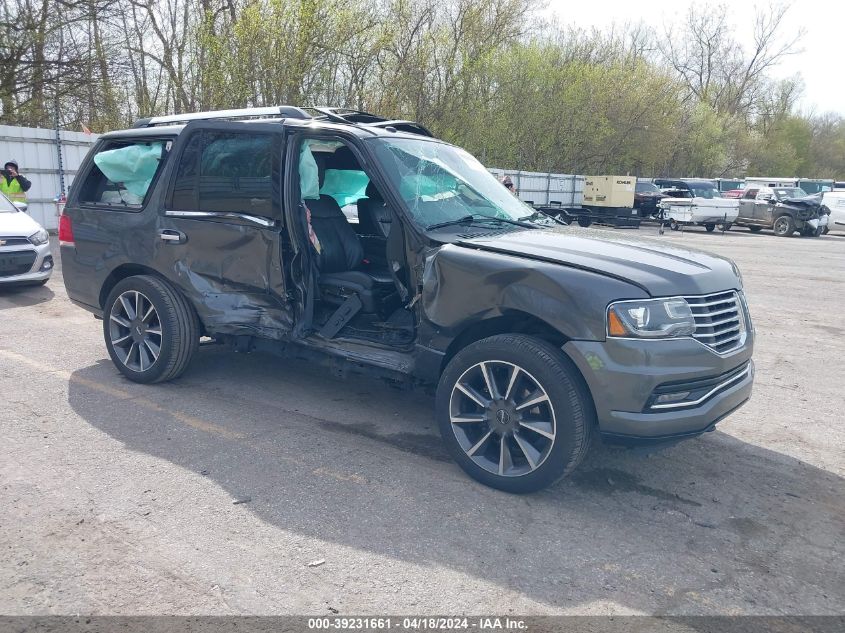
835, 202
24, 247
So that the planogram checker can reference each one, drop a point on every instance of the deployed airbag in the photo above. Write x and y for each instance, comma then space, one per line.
134, 166
345, 185
309, 175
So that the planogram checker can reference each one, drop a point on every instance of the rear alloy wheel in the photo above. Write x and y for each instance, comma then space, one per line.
784, 226
151, 331
514, 413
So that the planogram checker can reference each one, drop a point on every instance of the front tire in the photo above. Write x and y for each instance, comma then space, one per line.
151, 331
784, 226
514, 412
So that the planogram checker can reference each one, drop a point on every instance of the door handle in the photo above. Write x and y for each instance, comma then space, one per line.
174, 237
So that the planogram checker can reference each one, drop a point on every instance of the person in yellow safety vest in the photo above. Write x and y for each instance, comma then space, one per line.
12, 184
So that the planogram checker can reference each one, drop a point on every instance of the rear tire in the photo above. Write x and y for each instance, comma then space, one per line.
584, 221
784, 226
710, 227
522, 416
150, 329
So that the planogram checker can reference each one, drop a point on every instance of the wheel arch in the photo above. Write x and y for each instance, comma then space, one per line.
511, 322
130, 270
119, 274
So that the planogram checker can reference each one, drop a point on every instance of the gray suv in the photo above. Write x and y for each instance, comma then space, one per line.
236, 226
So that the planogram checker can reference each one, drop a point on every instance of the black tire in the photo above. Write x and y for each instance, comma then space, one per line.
584, 221
755, 229
784, 226
673, 224
567, 405
177, 323
710, 227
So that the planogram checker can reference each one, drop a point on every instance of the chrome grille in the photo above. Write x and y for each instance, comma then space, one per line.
719, 320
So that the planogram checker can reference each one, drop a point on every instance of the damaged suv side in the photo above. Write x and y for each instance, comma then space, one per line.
343, 237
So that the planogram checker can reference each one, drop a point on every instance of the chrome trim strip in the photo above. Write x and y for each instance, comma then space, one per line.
265, 222
712, 314
712, 392
709, 303
715, 324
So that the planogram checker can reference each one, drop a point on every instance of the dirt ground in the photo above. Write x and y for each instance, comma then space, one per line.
262, 486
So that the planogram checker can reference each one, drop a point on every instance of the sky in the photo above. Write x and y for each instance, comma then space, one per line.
820, 64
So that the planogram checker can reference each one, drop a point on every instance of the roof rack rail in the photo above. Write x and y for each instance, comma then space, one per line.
274, 112
338, 115
346, 115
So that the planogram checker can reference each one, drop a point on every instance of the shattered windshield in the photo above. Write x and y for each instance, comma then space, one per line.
442, 183
790, 192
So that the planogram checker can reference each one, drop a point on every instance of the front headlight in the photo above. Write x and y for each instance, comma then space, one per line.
39, 237
650, 318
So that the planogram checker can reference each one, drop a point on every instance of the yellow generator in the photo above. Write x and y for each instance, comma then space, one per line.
610, 199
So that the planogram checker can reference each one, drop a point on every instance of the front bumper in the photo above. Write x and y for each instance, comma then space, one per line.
40, 269
625, 376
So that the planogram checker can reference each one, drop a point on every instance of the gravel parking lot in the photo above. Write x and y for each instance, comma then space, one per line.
257, 485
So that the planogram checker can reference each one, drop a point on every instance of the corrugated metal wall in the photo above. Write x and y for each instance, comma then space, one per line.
35, 151
536, 187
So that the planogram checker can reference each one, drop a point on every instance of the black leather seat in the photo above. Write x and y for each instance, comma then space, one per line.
373, 215
342, 266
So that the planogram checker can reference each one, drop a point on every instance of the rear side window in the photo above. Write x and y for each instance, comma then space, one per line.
228, 172
122, 173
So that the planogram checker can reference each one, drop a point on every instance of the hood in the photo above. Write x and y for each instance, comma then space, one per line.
655, 266
17, 224
810, 202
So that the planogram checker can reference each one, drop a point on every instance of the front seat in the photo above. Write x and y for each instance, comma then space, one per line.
373, 215
342, 259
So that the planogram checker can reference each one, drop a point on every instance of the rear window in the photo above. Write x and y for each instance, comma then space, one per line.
647, 187
123, 173
228, 172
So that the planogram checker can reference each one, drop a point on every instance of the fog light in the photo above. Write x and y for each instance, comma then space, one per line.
666, 398
47, 264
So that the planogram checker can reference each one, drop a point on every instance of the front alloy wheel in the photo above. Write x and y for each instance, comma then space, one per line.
502, 418
514, 412
784, 226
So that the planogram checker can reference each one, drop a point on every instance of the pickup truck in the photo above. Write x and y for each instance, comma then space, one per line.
767, 208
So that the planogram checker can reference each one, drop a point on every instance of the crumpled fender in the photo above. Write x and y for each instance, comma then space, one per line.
462, 285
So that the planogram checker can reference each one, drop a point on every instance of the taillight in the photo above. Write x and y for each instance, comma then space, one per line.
65, 230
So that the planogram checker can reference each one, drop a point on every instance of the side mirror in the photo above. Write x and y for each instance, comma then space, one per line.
22, 206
